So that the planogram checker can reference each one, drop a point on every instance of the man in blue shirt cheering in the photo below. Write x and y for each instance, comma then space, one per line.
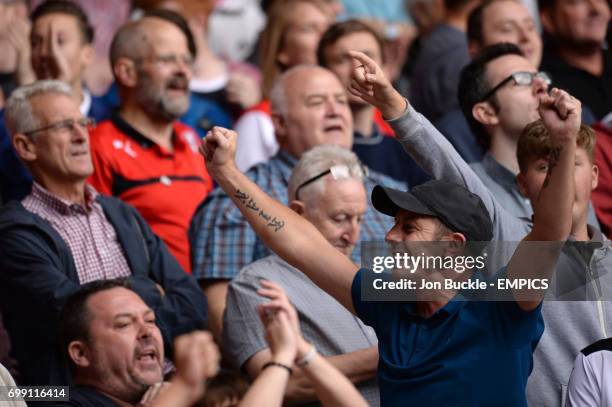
432, 352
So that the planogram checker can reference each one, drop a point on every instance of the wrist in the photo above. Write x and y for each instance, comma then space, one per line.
284, 357
223, 172
395, 107
303, 349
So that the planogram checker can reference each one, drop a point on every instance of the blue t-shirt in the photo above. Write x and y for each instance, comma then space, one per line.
469, 353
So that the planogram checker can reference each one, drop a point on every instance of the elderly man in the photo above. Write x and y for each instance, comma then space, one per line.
143, 155
431, 352
64, 234
326, 188
310, 108
61, 48
116, 349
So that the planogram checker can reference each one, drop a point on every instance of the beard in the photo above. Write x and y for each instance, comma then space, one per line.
155, 100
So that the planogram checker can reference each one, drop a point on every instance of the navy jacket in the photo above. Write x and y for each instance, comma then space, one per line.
37, 274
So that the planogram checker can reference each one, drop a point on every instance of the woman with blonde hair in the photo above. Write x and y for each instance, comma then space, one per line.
291, 37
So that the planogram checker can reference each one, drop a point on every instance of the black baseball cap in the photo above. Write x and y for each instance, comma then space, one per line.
456, 207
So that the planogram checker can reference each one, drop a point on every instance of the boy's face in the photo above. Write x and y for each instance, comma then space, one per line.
586, 178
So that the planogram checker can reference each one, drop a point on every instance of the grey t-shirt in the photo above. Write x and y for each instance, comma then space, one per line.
323, 321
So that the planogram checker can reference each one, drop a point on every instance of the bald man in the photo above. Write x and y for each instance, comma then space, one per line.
142, 154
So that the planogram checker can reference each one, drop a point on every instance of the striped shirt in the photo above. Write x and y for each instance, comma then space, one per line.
90, 236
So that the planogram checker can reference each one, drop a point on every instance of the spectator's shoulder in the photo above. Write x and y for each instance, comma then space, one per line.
378, 178
14, 214
603, 345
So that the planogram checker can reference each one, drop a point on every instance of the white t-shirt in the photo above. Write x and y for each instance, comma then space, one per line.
590, 384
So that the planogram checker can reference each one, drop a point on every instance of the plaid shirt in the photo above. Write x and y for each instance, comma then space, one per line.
90, 236
223, 242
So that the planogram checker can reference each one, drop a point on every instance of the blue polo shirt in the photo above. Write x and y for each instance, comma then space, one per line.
469, 353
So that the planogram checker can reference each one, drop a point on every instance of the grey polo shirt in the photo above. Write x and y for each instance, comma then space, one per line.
502, 184
323, 321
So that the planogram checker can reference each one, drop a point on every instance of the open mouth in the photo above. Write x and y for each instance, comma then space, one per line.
147, 356
333, 128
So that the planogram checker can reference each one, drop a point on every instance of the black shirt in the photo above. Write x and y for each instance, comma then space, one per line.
594, 92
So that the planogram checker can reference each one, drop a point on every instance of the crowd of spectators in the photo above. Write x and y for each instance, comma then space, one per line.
189, 190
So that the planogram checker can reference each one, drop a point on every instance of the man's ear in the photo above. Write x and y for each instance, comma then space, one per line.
521, 183
473, 48
484, 113
297, 207
125, 72
25, 147
547, 20
455, 243
282, 58
594, 177
280, 127
78, 352
88, 55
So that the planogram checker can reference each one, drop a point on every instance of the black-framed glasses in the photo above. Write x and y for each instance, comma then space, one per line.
521, 79
337, 172
68, 125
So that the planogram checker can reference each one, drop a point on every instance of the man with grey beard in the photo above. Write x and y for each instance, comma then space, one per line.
142, 154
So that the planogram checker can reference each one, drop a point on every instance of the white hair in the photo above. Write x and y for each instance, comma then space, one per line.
315, 161
19, 116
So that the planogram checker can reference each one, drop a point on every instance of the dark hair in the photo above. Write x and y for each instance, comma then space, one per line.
456, 5
473, 85
227, 385
178, 20
474, 23
342, 29
546, 4
74, 318
66, 7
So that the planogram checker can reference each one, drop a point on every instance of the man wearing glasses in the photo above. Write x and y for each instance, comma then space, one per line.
326, 188
498, 116
65, 234
143, 155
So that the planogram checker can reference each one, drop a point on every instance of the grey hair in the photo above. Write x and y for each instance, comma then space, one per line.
18, 115
315, 161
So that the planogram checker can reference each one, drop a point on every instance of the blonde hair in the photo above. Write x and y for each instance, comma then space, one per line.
279, 17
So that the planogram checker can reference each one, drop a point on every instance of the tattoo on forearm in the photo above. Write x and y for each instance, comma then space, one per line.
271, 221
553, 160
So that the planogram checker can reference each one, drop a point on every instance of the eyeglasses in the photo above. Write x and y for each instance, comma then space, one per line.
337, 172
66, 125
520, 79
174, 60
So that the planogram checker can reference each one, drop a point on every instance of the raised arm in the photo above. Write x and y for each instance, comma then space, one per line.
423, 142
331, 386
560, 114
290, 236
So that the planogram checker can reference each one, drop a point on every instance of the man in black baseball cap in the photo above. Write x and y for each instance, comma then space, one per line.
455, 207
434, 353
